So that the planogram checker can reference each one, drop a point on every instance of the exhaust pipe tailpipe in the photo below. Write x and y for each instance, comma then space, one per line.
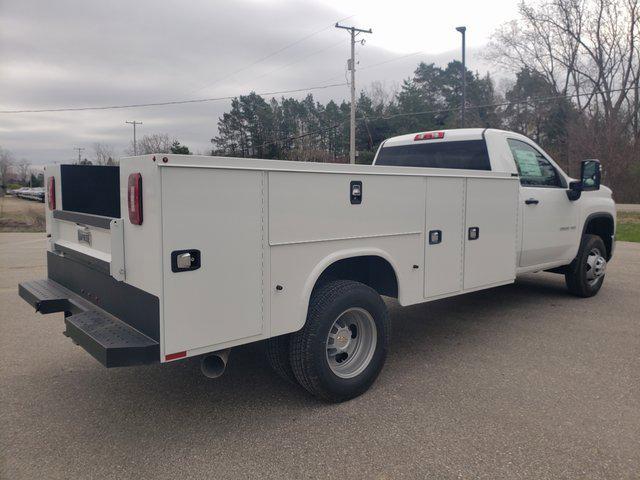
214, 364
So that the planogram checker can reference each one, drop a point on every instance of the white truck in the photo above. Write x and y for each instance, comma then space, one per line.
171, 256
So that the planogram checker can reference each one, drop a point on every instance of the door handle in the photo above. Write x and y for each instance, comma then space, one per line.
532, 201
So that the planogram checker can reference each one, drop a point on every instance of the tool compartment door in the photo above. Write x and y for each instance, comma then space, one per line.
445, 223
219, 213
491, 211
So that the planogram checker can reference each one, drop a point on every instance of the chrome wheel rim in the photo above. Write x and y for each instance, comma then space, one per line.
351, 342
596, 266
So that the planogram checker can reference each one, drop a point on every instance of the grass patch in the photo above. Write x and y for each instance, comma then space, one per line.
628, 227
18, 215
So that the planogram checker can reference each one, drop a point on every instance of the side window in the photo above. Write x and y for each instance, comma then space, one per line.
534, 169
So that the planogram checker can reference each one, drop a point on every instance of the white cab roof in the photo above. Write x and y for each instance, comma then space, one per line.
449, 135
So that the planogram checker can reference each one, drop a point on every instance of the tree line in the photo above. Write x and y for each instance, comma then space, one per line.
576, 73
574, 89
15, 173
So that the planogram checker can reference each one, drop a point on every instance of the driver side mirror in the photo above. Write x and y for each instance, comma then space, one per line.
590, 174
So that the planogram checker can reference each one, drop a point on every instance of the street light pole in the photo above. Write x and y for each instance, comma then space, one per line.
463, 31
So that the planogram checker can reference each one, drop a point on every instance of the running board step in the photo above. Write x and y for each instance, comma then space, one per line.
111, 341
45, 296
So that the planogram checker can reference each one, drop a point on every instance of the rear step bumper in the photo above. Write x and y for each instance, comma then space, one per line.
110, 340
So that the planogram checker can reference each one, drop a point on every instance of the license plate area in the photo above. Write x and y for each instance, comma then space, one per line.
84, 235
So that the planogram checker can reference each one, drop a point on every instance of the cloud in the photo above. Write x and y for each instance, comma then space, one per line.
78, 53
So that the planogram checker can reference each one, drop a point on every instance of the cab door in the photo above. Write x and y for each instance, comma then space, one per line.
549, 218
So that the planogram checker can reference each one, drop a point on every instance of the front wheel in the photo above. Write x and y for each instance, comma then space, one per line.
341, 349
585, 275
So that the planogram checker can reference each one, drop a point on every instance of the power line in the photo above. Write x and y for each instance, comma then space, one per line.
175, 102
402, 57
374, 65
201, 100
270, 55
246, 67
442, 110
500, 104
298, 60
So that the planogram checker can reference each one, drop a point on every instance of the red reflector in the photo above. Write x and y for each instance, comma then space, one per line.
134, 198
51, 193
429, 136
173, 356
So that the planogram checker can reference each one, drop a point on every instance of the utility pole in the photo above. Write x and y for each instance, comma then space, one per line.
463, 30
135, 146
80, 149
352, 66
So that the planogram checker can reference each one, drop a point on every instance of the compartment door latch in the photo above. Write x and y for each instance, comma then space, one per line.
355, 192
185, 260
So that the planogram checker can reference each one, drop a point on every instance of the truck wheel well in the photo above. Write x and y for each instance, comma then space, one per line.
602, 226
374, 271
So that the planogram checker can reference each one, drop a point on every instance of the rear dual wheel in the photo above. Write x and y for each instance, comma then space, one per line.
343, 345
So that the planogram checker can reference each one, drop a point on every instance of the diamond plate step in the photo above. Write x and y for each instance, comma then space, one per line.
45, 295
111, 341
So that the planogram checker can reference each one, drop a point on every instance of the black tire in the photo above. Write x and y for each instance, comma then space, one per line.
576, 274
277, 350
308, 348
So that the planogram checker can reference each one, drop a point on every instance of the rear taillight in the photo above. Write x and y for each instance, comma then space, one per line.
51, 193
429, 136
134, 196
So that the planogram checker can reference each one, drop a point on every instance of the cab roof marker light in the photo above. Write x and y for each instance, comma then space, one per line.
429, 136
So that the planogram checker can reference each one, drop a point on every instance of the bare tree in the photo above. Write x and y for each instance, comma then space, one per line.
587, 48
24, 170
104, 154
6, 162
381, 93
156, 143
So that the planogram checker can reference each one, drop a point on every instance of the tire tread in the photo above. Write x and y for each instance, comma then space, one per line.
277, 351
574, 276
301, 357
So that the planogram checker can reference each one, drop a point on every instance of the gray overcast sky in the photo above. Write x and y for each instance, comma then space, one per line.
74, 53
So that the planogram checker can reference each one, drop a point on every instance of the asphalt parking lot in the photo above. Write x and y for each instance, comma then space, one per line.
522, 381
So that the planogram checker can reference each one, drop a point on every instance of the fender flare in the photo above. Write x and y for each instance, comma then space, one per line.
593, 216
329, 260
